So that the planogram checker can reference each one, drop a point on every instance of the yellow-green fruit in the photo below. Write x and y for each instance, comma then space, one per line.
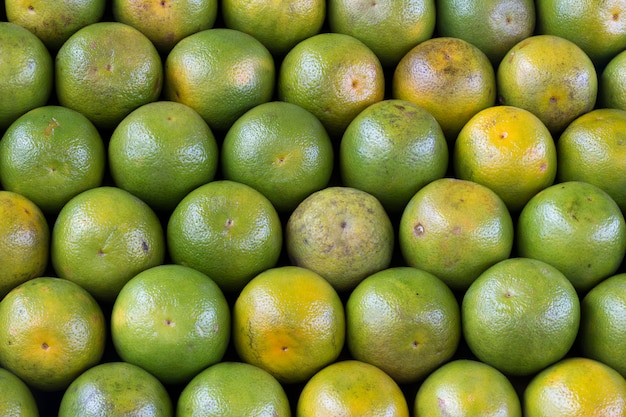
602, 324
116, 389
469, 388
51, 154
17, 398
520, 316
54, 21
161, 152
26, 71
233, 389
577, 228
227, 230
494, 26
281, 150
391, 150
342, 233
403, 320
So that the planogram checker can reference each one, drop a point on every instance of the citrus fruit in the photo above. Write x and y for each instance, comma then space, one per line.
602, 331
26, 71
171, 320
51, 330
509, 150
290, 322
494, 26
389, 29
449, 77
549, 76
281, 150
227, 230
577, 228
51, 154
24, 241
598, 28
403, 320
233, 389
116, 389
332, 75
342, 233
520, 316
54, 21
221, 73
455, 229
351, 388
279, 25
165, 23
612, 83
106, 70
593, 149
391, 150
103, 237
17, 398
576, 387
467, 387
162, 151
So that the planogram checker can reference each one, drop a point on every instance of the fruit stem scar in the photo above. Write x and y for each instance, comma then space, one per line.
44, 346
418, 230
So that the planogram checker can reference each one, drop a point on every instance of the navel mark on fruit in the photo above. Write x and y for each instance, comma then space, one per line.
418, 230
144, 246
44, 346
504, 135
31, 8
52, 124
229, 223
284, 348
615, 17
553, 100
415, 344
169, 322
100, 252
343, 225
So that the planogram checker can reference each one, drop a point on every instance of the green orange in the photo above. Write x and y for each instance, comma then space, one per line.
403, 320
103, 237
467, 387
171, 320
389, 29
593, 149
612, 83
17, 397
279, 25
162, 151
106, 70
602, 333
26, 71
494, 26
576, 227
281, 150
227, 230
332, 75
455, 229
391, 150
51, 154
520, 316
116, 388
233, 389
220, 73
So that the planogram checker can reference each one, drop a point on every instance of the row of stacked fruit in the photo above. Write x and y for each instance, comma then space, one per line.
296, 208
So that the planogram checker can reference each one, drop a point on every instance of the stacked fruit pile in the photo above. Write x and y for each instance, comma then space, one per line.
313, 208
